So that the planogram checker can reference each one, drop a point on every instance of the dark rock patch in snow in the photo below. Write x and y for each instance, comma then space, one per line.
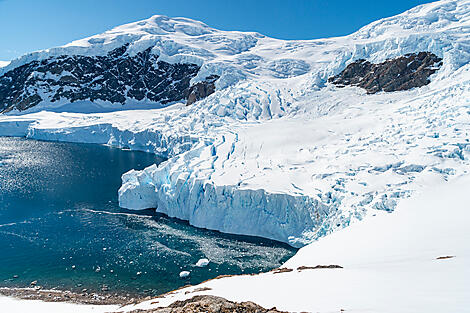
332, 266
202, 89
402, 73
115, 78
445, 257
282, 270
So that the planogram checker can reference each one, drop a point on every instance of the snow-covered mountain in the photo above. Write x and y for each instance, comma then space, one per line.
288, 140
159, 60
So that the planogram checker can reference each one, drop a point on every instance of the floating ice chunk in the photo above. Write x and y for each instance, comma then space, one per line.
138, 187
185, 274
202, 263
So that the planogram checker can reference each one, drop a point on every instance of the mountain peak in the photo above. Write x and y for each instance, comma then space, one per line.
163, 25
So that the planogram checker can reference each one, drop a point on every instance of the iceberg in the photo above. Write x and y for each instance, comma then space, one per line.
202, 263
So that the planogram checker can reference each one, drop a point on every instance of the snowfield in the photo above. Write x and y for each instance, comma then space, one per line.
278, 152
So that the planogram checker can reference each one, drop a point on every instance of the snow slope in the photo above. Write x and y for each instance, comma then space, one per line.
4, 63
394, 263
276, 151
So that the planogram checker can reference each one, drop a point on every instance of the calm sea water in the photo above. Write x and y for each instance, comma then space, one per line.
60, 224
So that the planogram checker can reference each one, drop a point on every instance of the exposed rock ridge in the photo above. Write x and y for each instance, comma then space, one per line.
115, 77
202, 89
210, 304
402, 73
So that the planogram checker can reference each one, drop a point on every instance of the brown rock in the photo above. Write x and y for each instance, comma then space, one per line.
202, 89
302, 268
210, 304
282, 270
402, 73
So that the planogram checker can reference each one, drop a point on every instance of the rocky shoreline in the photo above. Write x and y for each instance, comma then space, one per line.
51, 295
196, 304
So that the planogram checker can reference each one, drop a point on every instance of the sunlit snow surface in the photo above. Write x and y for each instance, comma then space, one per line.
276, 152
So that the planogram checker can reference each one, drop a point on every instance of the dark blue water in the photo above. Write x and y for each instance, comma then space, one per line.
60, 224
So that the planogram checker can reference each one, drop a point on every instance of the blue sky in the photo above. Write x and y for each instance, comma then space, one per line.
28, 25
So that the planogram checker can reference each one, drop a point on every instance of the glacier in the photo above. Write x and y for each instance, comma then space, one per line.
277, 151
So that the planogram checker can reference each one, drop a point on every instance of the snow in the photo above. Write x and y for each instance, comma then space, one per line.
278, 152
390, 264
11, 305
4, 63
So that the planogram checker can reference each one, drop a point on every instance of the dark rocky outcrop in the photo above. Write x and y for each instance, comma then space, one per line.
402, 73
210, 304
202, 89
114, 77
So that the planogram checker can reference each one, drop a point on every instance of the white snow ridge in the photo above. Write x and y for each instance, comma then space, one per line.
279, 152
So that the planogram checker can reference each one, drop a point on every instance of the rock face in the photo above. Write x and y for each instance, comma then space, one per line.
210, 304
115, 77
403, 73
202, 89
